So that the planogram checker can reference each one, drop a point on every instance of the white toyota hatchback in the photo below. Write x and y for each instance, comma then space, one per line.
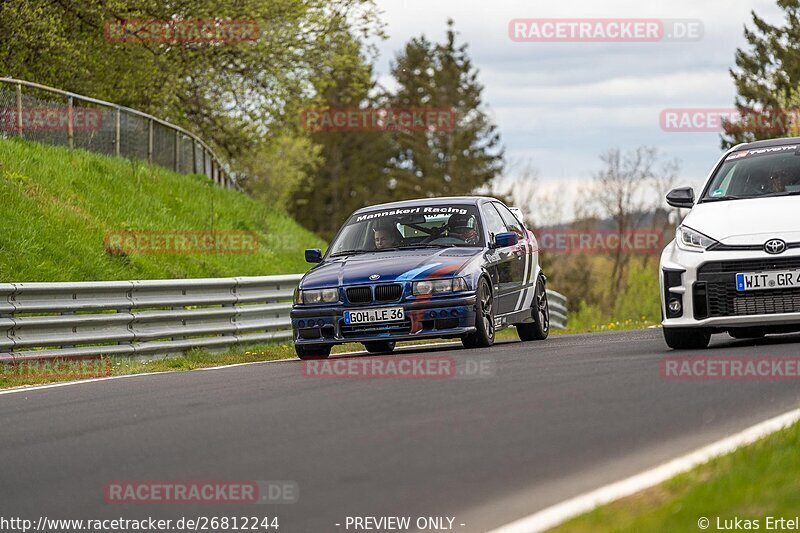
735, 262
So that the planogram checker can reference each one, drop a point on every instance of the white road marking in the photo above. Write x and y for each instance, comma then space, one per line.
29, 388
560, 513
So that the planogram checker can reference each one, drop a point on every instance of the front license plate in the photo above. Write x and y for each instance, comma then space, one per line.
778, 279
369, 316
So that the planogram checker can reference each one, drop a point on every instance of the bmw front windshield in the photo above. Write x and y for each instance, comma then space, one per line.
762, 172
411, 227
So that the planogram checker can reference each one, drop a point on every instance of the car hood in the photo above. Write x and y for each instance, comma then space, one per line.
402, 265
752, 221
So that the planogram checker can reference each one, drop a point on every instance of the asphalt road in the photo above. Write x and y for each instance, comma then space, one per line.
548, 421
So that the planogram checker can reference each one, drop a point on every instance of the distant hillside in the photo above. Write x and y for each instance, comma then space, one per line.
59, 206
646, 220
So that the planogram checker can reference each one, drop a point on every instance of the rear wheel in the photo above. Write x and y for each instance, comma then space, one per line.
484, 319
540, 327
313, 351
687, 338
379, 346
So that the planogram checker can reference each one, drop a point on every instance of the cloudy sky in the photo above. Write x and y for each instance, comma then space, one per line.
560, 105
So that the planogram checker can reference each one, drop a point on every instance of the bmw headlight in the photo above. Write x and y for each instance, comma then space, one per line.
692, 240
438, 286
318, 296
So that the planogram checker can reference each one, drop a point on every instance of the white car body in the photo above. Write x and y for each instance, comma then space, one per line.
710, 301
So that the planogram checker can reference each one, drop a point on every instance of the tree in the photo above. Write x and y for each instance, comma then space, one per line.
353, 170
437, 163
620, 193
767, 78
234, 93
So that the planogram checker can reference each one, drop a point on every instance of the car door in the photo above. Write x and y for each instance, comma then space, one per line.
502, 262
522, 252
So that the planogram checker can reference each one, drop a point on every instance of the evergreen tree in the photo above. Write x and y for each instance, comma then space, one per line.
437, 162
767, 79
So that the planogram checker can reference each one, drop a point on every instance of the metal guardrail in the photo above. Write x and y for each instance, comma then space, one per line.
44, 320
129, 318
558, 309
52, 116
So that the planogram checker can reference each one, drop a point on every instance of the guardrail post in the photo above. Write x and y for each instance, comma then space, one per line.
70, 124
116, 131
150, 141
19, 109
177, 150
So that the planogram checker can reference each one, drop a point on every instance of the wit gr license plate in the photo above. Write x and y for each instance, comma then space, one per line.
369, 316
777, 279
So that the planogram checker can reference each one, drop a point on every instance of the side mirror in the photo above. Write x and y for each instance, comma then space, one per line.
683, 197
501, 240
314, 255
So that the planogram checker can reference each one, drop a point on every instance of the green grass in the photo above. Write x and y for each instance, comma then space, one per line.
40, 374
752, 483
57, 205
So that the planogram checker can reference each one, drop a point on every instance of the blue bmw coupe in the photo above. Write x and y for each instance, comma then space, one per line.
461, 267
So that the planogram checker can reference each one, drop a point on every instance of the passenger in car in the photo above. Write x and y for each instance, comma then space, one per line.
387, 237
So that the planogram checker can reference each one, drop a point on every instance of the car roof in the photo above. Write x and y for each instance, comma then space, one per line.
766, 143
454, 200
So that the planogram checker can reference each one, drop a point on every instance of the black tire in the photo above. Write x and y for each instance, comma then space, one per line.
747, 333
314, 351
379, 346
539, 329
484, 319
687, 338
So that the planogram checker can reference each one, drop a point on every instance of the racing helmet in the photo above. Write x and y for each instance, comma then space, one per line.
463, 227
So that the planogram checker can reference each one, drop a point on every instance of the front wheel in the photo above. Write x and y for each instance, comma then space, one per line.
539, 329
313, 351
379, 346
687, 338
484, 319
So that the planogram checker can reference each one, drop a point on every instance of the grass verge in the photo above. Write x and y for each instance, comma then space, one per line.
59, 206
747, 486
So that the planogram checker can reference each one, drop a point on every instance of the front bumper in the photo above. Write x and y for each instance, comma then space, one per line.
704, 284
434, 318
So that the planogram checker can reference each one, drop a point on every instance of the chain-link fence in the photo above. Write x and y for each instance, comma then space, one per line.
52, 116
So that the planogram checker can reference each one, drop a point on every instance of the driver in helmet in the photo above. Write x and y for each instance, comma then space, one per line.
463, 227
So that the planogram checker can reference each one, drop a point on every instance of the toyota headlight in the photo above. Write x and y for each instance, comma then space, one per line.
318, 296
438, 286
692, 240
